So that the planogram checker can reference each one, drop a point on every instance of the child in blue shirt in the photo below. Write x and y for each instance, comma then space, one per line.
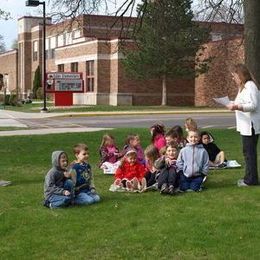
81, 174
192, 163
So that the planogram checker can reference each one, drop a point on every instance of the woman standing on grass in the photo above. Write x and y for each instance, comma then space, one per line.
247, 108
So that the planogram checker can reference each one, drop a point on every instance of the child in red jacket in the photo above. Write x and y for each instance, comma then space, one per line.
130, 175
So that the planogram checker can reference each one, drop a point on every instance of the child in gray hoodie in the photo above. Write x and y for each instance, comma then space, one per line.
57, 188
192, 163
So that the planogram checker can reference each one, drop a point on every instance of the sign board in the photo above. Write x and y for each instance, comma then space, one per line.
64, 82
69, 85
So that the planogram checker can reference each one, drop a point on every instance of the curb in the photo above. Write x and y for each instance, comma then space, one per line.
89, 114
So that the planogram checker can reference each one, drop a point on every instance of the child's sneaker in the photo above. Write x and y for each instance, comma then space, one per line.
164, 189
4, 183
118, 182
143, 184
136, 184
171, 190
241, 183
222, 165
129, 186
46, 203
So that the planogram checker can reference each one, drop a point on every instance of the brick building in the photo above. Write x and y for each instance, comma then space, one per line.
90, 46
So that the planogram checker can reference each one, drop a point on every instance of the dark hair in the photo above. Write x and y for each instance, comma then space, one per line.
243, 73
157, 129
178, 130
204, 133
172, 133
173, 145
80, 147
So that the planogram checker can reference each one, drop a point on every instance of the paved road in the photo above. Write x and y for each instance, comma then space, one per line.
205, 120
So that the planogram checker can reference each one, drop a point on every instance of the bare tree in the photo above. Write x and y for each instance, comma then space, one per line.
4, 15
2, 44
230, 11
62, 9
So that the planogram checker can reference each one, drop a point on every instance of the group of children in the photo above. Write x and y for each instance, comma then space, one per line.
171, 163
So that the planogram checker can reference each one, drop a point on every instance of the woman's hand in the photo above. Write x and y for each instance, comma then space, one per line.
232, 107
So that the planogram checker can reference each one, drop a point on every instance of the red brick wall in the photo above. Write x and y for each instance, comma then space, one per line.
76, 50
217, 81
8, 63
103, 77
148, 92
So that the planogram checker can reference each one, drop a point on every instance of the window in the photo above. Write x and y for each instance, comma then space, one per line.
47, 48
68, 38
60, 67
76, 34
35, 50
74, 67
90, 75
52, 46
60, 40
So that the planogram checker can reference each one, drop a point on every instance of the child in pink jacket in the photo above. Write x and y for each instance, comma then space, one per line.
158, 139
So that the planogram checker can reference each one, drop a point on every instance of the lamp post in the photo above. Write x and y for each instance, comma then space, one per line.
37, 3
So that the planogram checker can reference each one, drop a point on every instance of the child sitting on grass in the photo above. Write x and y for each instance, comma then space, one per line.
192, 163
133, 143
57, 188
109, 155
216, 156
168, 179
130, 174
151, 155
157, 133
175, 134
85, 191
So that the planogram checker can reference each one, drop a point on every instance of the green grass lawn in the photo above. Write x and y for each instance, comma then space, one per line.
222, 222
10, 128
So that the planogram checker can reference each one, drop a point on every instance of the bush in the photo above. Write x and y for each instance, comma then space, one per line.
7, 100
36, 82
2, 98
13, 99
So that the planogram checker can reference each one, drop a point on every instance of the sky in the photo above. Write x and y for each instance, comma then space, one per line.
17, 9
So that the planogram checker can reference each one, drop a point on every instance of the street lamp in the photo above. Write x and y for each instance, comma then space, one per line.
37, 3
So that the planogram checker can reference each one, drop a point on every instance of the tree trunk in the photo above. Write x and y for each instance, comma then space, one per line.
164, 91
252, 37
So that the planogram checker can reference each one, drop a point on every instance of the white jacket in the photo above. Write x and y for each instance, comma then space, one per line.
249, 99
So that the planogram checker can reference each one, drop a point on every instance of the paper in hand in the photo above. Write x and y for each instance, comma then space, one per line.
223, 100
